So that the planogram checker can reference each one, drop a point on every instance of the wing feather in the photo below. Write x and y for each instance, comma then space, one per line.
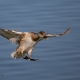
11, 35
54, 35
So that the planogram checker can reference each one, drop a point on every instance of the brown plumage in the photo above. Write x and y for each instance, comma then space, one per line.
26, 41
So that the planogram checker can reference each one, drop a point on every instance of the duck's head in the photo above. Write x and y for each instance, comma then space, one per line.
42, 35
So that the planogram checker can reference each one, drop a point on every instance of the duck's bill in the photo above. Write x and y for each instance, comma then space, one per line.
46, 37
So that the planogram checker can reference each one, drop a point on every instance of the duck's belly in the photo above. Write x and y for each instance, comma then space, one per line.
29, 45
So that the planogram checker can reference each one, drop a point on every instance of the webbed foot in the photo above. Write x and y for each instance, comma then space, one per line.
30, 58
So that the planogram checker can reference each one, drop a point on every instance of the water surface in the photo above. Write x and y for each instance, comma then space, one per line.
59, 57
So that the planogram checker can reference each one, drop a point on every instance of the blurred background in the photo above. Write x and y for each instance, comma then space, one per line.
59, 57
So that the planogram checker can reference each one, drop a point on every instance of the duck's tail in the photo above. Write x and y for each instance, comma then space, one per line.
15, 55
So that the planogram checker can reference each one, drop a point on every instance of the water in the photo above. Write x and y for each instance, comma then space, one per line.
59, 57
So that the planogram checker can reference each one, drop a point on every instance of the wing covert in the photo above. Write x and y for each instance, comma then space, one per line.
11, 35
54, 35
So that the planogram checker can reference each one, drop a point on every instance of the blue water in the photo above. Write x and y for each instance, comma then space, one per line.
59, 57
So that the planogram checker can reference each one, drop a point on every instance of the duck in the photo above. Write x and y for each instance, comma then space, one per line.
26, 41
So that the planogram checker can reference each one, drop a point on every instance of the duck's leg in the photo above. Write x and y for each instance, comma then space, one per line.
29, 55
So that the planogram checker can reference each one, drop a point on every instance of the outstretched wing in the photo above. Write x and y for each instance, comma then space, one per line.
54, 35
11, 35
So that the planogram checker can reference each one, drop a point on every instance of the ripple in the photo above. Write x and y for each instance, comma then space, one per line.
59, 57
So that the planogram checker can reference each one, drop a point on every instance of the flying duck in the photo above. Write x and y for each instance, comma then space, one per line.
26, 41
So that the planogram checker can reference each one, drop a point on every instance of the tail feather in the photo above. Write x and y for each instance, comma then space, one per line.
15, 55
